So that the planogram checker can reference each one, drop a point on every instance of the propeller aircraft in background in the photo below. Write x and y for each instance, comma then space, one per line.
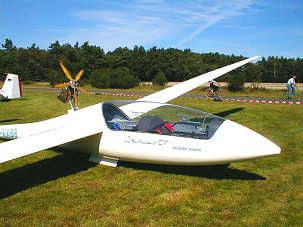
71, 89
147, 130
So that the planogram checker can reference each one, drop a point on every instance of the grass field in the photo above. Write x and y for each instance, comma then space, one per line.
63, 189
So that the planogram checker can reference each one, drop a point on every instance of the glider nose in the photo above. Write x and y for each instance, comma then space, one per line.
244, 143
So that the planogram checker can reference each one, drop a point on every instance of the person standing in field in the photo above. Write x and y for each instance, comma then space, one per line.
291, 86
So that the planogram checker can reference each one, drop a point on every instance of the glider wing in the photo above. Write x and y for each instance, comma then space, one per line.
31, 144
136, 109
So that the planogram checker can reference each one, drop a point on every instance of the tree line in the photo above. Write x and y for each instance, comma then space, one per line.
125, 68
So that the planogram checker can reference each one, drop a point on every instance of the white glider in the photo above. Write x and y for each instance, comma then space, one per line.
146, 130
11, 88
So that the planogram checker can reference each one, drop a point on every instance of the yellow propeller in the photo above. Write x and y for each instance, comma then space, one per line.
71, 94
65, 71
79, 75
68, 75
62, 85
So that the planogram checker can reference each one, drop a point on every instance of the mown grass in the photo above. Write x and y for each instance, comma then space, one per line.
52, 188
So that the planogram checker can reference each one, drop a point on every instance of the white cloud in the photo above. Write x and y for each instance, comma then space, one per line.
203, 19
144, 22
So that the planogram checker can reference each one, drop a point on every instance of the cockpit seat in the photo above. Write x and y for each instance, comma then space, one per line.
154, 124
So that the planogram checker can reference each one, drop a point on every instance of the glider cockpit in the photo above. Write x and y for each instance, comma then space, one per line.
167, 119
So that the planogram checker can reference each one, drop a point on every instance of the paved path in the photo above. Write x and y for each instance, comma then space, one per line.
142, 94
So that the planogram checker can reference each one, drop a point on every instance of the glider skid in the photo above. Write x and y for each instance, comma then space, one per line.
103, 160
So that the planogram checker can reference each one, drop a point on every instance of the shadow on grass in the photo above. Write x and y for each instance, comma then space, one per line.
8, 120
19, 99
218, 172
228, 112
22, 178
13, 100
22, 99
68, 163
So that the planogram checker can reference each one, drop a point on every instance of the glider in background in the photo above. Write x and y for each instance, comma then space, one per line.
11, 88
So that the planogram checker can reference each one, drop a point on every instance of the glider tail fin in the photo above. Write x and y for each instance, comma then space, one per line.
12, 87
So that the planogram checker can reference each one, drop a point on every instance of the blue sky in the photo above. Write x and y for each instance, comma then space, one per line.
239, 27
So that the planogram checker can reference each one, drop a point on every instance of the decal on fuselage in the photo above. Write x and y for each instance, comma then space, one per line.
158, 142
181, 148
9, 133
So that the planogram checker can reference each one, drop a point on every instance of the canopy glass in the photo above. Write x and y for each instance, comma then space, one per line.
166, 119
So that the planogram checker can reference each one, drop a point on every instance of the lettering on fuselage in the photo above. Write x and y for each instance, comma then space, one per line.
9, 133
145, 141
180, 148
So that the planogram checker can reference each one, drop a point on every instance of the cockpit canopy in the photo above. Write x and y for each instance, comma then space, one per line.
166, 119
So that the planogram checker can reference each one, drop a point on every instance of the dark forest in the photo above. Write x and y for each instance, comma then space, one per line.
126, 67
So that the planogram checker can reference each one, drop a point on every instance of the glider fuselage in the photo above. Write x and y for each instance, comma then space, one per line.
196, 137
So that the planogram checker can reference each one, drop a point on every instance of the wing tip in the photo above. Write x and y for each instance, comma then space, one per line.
254, 58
